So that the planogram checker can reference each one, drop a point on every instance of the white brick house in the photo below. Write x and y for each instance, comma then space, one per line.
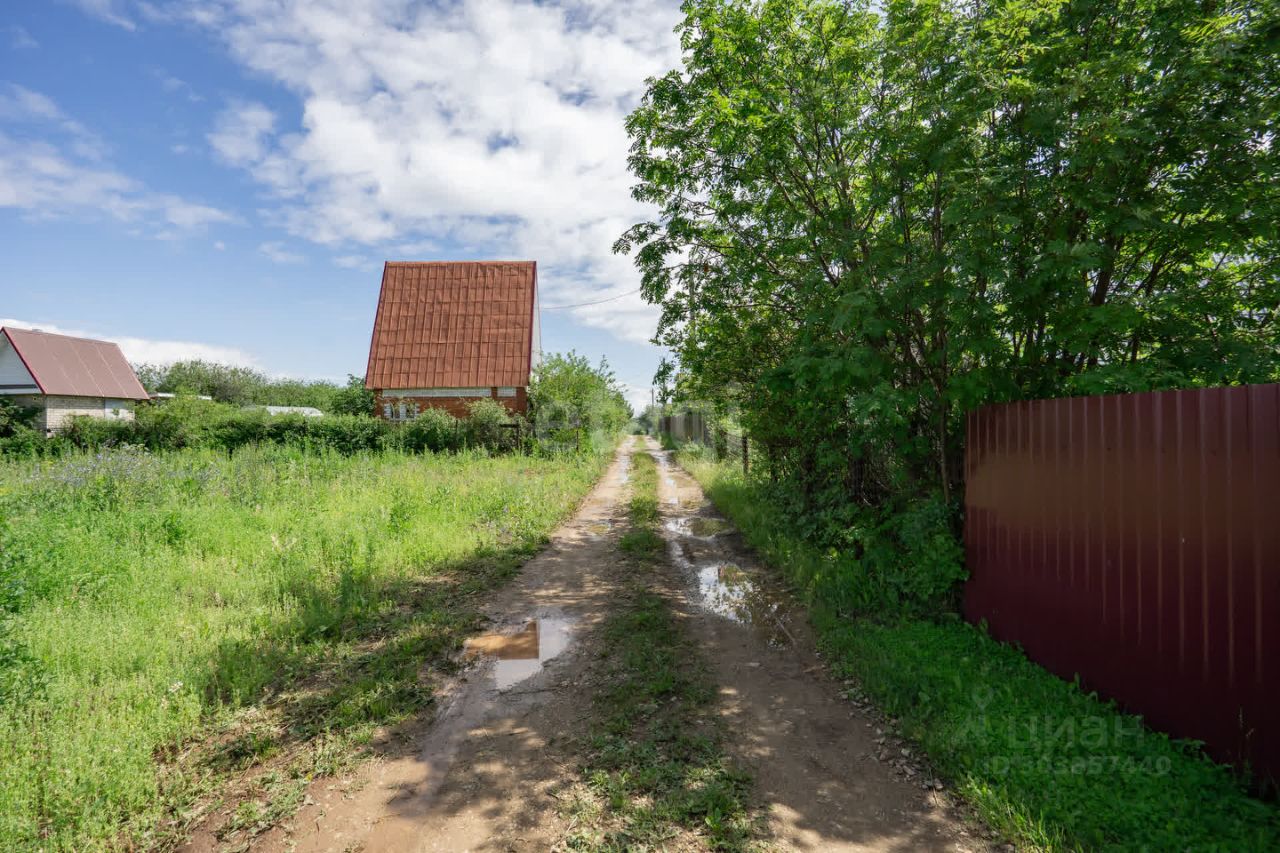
64, 377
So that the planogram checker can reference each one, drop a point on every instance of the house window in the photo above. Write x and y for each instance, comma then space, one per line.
506, 392
386, 411
115, 408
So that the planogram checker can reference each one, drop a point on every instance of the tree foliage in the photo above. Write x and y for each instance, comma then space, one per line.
575, 405
244, 386
873, 217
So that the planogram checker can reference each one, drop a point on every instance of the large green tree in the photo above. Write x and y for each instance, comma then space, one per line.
875, 216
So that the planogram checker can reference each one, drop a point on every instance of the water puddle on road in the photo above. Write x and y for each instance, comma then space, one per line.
724, 588
599, 528
718, 583
673, 493
698, 526
519, 655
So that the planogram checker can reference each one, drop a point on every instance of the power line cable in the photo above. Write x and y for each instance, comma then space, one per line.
585, 304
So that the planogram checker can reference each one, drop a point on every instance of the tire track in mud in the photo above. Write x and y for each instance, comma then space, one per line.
811, 753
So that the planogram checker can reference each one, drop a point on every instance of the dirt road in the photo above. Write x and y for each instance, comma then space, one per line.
489, 770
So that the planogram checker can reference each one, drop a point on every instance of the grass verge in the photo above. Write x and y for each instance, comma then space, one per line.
194, 631
656, 776
1040, 760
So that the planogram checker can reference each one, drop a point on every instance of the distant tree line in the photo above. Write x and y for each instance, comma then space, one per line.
244, 386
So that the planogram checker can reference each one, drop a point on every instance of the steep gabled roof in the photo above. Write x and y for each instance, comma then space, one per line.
453, 324
75, 367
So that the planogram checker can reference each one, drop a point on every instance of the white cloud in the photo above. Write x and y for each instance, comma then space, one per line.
61, 175
22, 106
18, 103
219, 245
638, 395
20, 39
492, 125
149, 351
355, 262
241, 133
276, 251
110, 11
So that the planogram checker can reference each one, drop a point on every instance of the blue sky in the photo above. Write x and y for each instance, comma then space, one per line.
223, 178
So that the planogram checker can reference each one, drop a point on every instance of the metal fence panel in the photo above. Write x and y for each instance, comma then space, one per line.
1134, 540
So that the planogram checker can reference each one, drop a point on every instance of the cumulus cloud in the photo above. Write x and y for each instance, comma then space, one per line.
492, 125
150, 351
62, 174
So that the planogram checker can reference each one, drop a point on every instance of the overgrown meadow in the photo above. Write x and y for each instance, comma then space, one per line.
149, 601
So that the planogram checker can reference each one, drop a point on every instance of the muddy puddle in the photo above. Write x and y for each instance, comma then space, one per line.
513, 656
697, 526
599, 528
718, 582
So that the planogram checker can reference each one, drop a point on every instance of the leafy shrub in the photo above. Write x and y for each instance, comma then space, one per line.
15, 418
347, 433
433, 430
289, 428
23, 442
87, 432
354, 399
487, 425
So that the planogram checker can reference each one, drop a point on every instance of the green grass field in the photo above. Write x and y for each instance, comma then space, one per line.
167, 621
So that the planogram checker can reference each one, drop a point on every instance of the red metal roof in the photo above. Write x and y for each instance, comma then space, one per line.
453, 324
75, 367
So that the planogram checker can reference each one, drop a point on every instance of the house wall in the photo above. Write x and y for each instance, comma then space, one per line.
417, 399
56, 412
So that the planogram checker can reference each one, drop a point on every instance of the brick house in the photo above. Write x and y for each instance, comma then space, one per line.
451, 332
65, 377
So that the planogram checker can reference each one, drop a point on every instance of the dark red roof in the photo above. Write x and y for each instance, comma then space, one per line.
453, 324
75, 367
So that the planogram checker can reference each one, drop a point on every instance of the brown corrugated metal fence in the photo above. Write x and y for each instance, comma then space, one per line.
1134, 540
